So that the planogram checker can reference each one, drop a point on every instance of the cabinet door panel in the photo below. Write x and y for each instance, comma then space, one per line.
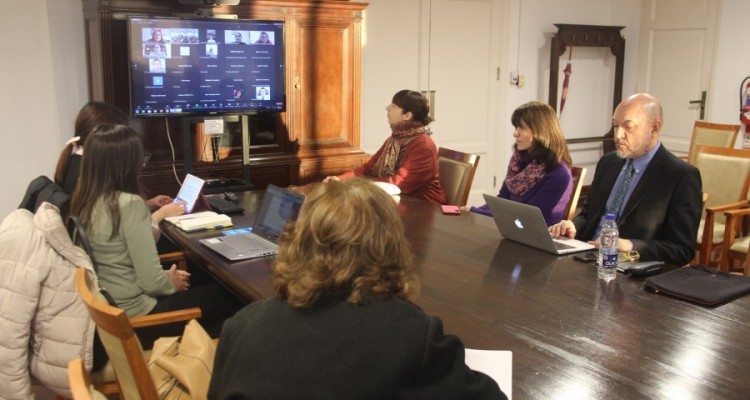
315, 170
328, 96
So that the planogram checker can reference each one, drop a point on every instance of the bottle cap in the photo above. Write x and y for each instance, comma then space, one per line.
610, 217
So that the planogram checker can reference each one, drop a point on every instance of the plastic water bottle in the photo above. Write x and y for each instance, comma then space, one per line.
608, 236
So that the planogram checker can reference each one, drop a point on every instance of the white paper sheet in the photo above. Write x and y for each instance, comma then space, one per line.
497, 364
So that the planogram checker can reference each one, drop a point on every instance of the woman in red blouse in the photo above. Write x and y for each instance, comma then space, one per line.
408, 158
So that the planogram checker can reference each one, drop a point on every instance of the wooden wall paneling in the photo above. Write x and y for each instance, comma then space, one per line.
315, 169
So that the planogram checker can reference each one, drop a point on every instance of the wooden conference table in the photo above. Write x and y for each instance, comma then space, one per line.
572, 336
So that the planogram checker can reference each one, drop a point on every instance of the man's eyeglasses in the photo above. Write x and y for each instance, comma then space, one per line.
146, 157
630, 256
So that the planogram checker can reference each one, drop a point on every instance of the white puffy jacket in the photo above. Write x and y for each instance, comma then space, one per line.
44, 323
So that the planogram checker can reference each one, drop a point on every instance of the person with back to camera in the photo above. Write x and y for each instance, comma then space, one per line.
263, 39
109, 204
341, 325
660, 208
92, 114
408, 158
539, 170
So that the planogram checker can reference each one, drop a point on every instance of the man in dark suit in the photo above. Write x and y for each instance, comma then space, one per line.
659, 209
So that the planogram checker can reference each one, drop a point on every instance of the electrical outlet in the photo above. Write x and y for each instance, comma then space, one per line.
521, 80
514, 77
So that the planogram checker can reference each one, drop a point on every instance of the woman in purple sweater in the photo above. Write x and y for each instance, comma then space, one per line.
539, 170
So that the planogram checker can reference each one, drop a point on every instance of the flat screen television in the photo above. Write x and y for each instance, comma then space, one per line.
205, 66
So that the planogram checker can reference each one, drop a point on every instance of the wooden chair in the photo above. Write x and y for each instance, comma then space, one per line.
123, 348
726, 179
457, 171
80, 382
736, 245
175, 257
711, 134
577, 174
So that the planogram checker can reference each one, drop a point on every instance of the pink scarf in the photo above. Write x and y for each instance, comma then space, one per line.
520, 180
403, 133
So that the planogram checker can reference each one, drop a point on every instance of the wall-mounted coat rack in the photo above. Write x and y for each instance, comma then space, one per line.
587, 36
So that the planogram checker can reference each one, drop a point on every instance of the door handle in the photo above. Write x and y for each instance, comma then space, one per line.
702, 103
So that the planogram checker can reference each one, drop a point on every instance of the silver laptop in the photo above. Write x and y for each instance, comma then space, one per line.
525, 224
279, 206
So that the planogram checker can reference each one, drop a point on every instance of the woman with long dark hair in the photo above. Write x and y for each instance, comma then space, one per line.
110, 204
91, 115
539, 170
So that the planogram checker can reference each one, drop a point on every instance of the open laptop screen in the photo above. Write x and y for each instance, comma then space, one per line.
280, 207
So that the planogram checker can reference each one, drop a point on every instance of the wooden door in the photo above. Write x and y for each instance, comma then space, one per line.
462, 73
391, 42
445, 46
675, 62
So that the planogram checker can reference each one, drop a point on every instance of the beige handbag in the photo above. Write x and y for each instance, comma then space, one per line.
182, 367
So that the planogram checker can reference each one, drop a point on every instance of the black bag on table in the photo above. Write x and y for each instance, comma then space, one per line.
700, 285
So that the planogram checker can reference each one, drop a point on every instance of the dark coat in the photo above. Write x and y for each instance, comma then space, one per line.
662, 215
43, 189
338, 350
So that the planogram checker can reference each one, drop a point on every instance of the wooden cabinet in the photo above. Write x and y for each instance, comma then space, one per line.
318, 135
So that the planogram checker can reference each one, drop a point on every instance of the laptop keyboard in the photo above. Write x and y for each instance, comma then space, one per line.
562, 246
223, 206
250, 244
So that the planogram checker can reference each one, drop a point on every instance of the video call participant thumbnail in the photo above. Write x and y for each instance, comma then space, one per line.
157, 65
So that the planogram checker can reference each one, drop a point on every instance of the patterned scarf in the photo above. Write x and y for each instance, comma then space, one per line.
403, 133
522, 178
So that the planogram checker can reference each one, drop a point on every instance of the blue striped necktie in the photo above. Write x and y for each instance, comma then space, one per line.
622, 189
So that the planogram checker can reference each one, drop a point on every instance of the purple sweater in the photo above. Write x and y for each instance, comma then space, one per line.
551, 195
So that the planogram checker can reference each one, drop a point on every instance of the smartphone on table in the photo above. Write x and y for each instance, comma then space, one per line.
451, 210
587, 256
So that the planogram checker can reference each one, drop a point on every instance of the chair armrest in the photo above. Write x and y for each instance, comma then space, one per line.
726, 207
176, 257
173, 256
731, 227
165, 317
734, 213
707, 236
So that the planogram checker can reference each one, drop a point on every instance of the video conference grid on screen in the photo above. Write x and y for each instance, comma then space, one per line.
182, 66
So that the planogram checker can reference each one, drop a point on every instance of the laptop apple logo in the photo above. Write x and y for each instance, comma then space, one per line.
519, 224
